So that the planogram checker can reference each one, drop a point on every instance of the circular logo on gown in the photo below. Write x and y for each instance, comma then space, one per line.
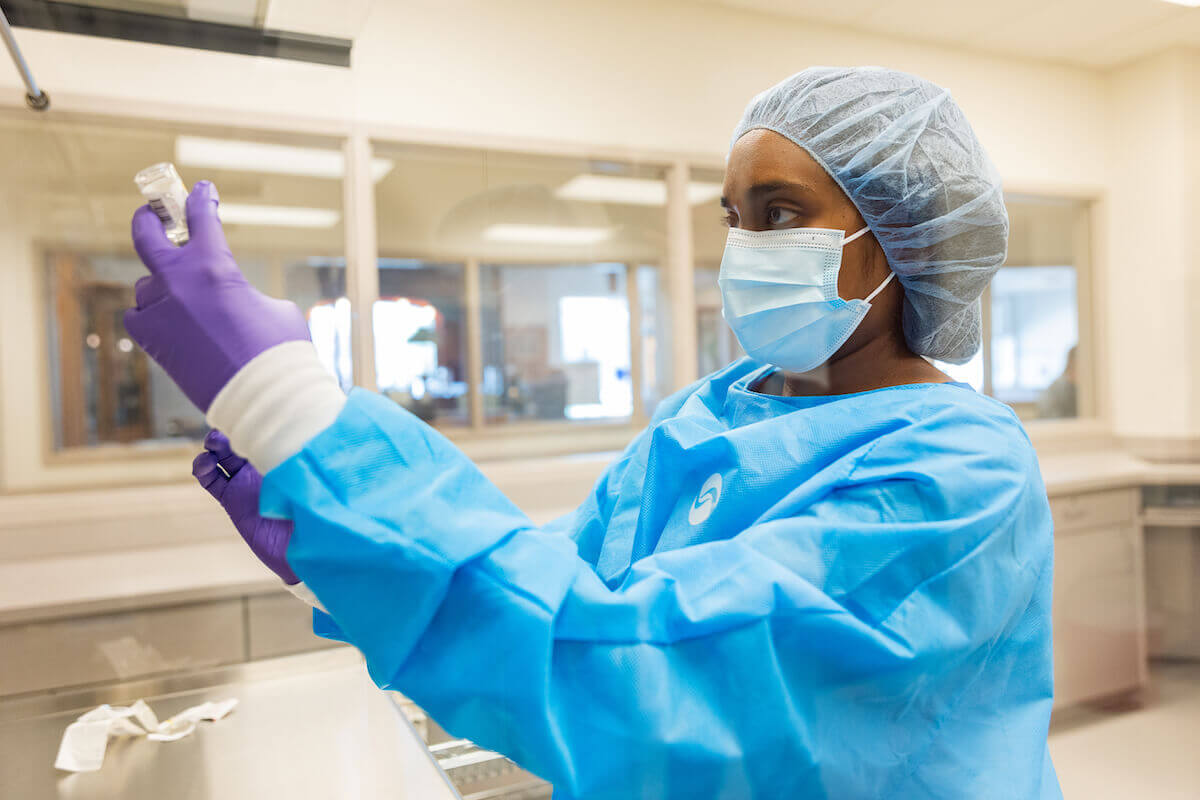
706, 501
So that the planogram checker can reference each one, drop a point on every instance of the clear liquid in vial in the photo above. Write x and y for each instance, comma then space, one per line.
164, 191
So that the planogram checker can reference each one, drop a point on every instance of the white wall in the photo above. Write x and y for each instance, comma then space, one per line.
1189, 348
658, 76
664, 75
1154, 248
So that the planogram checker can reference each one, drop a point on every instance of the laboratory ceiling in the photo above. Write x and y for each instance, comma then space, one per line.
1091, 33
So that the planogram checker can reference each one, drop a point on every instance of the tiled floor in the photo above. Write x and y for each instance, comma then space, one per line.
1151, 751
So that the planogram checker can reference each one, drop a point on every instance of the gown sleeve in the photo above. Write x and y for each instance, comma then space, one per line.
709, 668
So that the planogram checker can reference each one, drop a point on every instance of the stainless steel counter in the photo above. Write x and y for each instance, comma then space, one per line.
307, 726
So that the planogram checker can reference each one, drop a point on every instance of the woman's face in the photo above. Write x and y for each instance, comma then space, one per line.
772, 184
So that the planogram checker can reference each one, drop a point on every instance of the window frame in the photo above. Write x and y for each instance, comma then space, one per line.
477, 425
1090, 298
104, 452
87, 466
149, 462
542, 437
1089, 272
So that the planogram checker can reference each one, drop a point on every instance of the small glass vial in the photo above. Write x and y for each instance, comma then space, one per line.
163, 189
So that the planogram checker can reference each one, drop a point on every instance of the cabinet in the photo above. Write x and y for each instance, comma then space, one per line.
1172, 520
51, 654
1099, 596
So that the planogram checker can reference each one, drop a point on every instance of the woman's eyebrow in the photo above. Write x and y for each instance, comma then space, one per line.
768, 187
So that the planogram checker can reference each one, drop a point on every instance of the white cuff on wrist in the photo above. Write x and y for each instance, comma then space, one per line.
306, 594
276, 403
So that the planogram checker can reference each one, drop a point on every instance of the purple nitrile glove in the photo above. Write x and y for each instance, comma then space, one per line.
238, 495
196, 314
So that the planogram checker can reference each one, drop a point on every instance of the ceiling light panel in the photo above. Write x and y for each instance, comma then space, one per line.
545, 234
278, 216
620, 190
280, 159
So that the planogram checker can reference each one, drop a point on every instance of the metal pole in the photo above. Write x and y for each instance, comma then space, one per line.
35, 97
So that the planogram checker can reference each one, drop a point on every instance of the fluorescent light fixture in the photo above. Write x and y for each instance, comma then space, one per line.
632, 191
1188, 3
545, 234
614, 189
703, 192
281, 159
278, 216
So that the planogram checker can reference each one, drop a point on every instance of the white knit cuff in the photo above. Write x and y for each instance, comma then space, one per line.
305, 594
276, 403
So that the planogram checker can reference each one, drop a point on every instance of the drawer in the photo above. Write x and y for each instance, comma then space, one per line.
1173, 592
1075, 512
110, 647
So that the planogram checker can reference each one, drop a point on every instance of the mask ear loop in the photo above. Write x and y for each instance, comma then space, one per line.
848, 239
880, 287
886, 280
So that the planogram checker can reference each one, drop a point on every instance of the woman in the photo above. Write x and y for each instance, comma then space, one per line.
823, 571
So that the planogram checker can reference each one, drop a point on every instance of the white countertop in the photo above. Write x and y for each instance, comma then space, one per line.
92, 583
99, 583
104, 582
1095, 470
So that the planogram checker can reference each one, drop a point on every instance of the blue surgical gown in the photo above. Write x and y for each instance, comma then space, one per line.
764, 597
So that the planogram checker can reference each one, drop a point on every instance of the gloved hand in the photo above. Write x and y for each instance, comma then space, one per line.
238, 495
196, 314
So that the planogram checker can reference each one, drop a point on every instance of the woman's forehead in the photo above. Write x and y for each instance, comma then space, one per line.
762, 156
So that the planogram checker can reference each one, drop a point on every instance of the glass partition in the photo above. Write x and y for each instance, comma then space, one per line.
556, 342
715, 343
420, 329
716, 346
511, 286
1033, 355
654, 337
281, 205
1033, 336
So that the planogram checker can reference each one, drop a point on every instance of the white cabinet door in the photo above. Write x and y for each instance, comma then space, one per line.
1098, 606
1173, 591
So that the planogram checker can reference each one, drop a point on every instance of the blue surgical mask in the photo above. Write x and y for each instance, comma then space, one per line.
779, 294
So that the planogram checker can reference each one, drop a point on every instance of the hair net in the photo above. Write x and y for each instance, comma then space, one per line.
905, 155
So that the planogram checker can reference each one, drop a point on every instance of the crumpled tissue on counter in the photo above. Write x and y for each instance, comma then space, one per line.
86, 739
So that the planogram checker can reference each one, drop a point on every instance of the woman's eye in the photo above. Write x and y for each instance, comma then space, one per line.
780, 216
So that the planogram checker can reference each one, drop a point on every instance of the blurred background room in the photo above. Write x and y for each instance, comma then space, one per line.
504, 216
